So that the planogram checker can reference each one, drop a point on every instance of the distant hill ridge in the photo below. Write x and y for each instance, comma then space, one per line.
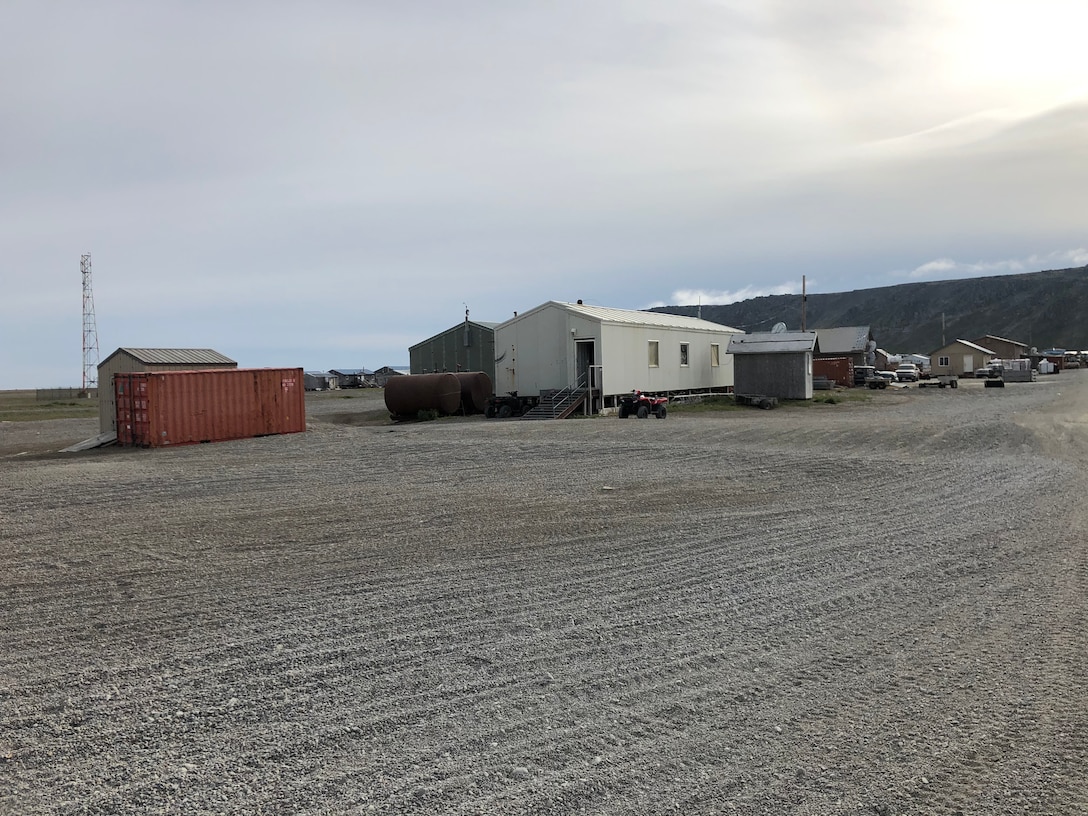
1043, 309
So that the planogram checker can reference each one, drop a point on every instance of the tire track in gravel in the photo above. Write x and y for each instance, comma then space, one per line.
729, 633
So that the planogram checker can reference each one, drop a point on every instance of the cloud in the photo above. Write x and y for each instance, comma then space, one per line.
246, 175
946, 268
695, 297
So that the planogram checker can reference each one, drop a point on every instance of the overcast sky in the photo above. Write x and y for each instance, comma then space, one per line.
325, 184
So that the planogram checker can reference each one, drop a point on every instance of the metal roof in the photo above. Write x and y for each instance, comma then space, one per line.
772, 342
351, 372
481, 324
636, 317
975, 346
177, 356
1003, 340
844, 339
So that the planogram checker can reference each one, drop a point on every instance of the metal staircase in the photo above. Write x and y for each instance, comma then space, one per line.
562, 403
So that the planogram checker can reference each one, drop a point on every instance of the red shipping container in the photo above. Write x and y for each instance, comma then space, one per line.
839, 369
160, 408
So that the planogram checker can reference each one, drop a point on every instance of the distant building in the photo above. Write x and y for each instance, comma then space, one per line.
959, 357
385, 373
1003, 348
320, 380
855, 342
352, 377
774, 364
148, 359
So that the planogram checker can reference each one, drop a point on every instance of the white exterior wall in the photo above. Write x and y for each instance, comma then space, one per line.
534, 348
627, 359
540, 354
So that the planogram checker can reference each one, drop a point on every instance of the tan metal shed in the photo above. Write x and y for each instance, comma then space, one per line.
126, 360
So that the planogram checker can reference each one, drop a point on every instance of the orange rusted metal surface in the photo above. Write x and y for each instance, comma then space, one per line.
839, 369
160, 408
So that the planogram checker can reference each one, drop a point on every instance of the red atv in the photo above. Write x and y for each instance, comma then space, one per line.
638, 404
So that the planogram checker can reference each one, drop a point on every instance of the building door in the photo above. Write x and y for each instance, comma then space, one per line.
968, 364
585, 357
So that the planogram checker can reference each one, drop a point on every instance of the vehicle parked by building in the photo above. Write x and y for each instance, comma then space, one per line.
863, 373
907, 372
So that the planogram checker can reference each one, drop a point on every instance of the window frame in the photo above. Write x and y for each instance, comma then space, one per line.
653, 354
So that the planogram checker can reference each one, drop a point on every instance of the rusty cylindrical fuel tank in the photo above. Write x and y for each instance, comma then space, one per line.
412, 393
475, 390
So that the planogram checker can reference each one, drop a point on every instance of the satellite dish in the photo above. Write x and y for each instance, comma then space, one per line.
778, 328
871, 345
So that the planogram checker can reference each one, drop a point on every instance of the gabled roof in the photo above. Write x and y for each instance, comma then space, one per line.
968, 343
773, 343
175, 356
351, 372
1001, 340
481, 324
844, 340
633, 317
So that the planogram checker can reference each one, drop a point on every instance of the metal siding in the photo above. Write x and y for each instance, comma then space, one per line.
626, 359
787, 376
838, 369
533, 351
447, 352
158, 409
123, 361
539, 352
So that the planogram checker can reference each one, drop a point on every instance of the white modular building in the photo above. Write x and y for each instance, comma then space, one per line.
558, 346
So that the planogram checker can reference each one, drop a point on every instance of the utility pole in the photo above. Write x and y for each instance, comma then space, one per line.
804, 301
90, 329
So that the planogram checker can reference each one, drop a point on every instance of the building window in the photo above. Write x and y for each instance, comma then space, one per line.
715, 360
683, 354
654, 360
942, 361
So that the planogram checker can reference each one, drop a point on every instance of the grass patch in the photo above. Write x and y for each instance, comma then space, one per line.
706, 405
726, 403
23, 406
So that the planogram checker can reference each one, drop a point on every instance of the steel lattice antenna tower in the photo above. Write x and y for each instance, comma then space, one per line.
90, 328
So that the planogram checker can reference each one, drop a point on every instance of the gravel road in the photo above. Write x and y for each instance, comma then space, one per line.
862, 608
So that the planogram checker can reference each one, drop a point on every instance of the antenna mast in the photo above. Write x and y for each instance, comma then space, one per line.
90, 328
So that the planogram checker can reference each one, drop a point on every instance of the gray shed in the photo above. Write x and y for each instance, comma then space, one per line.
468, 346
127, 359
774, 364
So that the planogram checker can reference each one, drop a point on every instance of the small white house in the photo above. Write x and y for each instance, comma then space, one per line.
560, 345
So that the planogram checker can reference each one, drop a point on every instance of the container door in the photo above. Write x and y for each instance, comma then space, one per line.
133, 415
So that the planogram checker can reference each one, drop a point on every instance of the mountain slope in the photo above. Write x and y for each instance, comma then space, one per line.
1042, 309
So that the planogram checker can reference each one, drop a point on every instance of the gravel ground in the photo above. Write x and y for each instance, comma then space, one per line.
871, 608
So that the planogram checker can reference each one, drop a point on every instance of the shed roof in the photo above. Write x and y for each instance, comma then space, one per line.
773, 343
175, 356
844, 339
634, 317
